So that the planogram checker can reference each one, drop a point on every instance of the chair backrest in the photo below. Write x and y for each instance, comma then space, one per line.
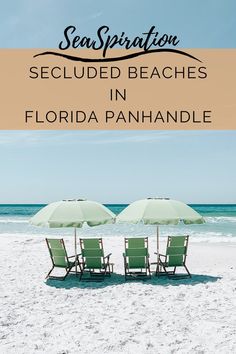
92, 252
136, 252
58, 252
176, 250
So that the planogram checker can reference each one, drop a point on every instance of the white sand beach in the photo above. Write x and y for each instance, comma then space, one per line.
195, 315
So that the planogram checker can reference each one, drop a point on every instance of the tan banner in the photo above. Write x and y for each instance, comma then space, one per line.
152, 91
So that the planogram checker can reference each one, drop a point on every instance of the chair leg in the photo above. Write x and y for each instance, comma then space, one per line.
49, 272
111, 266
109, 270
78, 265
176, 276
125, 269
159, 268
166, 271
190, 276
157, 271
126, 274
67, 272
81, 272
149, 270
58, 278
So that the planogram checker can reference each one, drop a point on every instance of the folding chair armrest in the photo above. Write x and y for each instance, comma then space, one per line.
76, 255
108, 256
160, 254
80, 258
160, 260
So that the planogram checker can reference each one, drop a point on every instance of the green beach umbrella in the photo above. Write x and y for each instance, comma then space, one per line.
73, 213
159, 211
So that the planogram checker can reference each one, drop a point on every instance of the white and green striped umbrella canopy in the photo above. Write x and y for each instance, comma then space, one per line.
159, 211
73, 213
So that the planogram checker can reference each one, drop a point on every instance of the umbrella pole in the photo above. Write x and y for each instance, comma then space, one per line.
75, 252
158, 248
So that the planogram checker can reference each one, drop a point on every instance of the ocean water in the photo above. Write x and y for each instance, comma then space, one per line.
220, 224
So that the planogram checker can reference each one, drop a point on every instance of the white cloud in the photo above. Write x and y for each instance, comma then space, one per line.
95, 15
25, 138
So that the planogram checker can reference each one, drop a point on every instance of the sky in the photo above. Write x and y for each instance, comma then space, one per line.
40, 24
117, 166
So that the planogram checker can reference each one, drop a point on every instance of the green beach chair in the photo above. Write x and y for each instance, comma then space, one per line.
60, 258
136, 258
176, 253
93, 260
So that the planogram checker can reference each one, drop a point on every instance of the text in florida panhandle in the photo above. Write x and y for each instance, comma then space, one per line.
135, 96
88, 115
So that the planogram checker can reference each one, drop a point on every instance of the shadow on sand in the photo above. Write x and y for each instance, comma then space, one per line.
117, 279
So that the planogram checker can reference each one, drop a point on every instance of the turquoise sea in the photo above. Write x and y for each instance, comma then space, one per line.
220, 223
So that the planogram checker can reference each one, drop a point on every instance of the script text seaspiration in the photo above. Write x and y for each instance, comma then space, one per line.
105, 40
